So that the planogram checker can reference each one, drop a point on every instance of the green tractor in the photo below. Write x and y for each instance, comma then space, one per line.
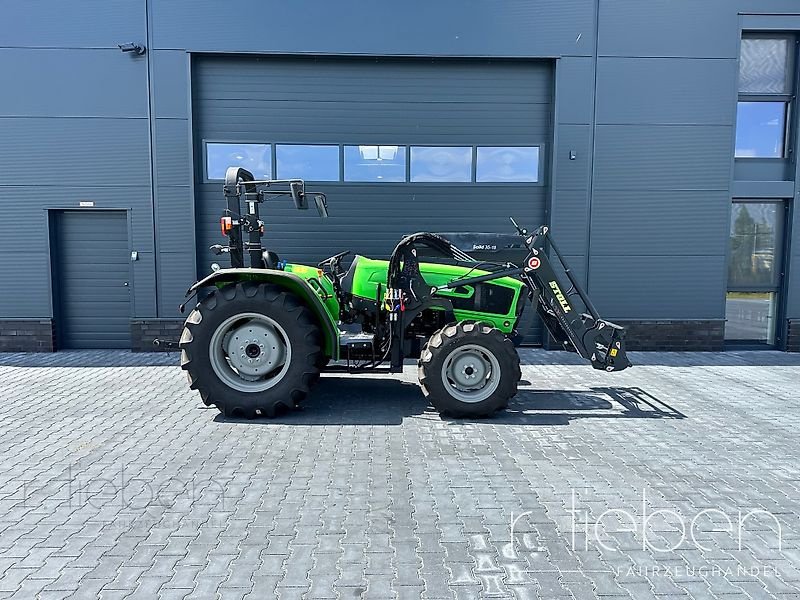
260, 335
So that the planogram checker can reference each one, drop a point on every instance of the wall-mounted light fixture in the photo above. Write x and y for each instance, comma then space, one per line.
132, 47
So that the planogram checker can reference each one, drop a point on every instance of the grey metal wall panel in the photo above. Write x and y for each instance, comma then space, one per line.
666, 91
144, 286
793, 299
174, 207
84, 24
173, 157
575, 89
75, 151
664, 125
93, 292
763, 171
762, 189
37, 198
414, 27
660, 223
141, 225
176, 272
29, 296
692, 157
658, 287
568, 221
69, 83
687, 28
573, 174
170, 83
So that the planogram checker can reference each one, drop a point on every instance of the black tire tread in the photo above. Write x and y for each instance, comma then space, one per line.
195, 361
444, 341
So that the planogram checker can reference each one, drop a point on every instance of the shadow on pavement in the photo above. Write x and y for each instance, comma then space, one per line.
559, 407
353, 401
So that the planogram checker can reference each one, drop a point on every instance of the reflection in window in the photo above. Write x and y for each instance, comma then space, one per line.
311, 163
754, 255
750, 316
256, 158
760, 128
508, 164
375, 163
763, 66
442, 163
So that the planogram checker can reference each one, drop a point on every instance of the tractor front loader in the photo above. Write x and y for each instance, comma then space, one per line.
260, 335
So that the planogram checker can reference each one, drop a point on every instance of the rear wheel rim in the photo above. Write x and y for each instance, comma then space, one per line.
250, 352
471, 373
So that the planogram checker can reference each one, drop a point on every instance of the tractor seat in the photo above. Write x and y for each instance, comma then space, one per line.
347, 278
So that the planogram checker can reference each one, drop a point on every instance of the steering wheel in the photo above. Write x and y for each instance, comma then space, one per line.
333, 263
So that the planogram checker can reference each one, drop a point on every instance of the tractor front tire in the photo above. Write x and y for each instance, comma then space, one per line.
469, 369
251, 349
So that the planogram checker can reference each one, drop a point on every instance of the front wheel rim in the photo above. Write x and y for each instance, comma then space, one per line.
250, 352
471, 373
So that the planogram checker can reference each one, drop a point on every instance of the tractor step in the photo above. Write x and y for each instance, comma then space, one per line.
355, 346
356, 340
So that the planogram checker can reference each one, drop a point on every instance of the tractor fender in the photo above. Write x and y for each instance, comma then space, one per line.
293, 284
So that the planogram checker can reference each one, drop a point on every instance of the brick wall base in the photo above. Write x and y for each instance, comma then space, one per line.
793, 338
27, 335
144, 331
672, 335
669, 335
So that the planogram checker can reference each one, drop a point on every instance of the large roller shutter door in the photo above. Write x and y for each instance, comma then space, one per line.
335, 101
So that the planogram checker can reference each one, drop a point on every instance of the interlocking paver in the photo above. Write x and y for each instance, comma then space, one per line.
115, 482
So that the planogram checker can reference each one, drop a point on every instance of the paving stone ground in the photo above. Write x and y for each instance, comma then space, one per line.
116, 482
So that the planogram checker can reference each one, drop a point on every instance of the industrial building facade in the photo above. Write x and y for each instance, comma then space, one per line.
657, 139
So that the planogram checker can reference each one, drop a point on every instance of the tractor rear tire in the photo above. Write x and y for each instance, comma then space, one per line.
469, 369
251, 349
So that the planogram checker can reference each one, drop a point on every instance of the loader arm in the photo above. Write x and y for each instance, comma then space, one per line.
563, 305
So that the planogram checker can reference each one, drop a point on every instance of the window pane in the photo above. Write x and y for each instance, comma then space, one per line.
374, 163
312, 163
750, 316
508, 164
763, 66
443, 163
256, 158
760, 127
755, 240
